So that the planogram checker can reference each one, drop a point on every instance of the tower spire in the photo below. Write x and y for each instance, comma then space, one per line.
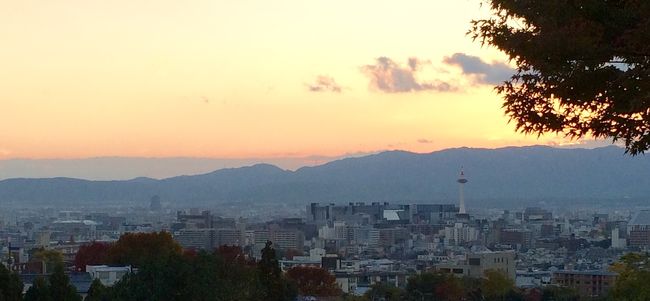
461, 183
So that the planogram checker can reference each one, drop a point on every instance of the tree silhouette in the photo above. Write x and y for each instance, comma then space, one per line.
11, 288
60, 287
583, 67
39, 291
274, 285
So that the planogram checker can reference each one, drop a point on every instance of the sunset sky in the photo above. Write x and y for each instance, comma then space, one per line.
246, 79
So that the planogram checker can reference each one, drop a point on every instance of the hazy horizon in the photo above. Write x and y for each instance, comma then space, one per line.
125, 168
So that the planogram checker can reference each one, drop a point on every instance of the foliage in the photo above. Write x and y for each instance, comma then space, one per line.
583, 67
312, 281
60, 287
387, 292
39, 291
51, 258
192, 276
496, 285
433, 286
138, 248
555, 293
93, 253
633, 277
11, 288
97, 291
233, 254
275, 287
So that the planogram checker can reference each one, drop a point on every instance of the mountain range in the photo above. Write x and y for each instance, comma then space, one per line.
516, 174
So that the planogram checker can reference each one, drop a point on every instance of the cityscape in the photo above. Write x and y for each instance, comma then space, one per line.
361, 243
292, 150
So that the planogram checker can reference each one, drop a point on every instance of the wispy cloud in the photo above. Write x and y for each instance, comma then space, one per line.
425, 141
482, 72
388, 76
324, 83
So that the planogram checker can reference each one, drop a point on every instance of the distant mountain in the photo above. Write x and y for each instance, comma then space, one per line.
521, 174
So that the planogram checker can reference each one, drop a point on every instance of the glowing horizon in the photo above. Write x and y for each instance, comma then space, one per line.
250, 79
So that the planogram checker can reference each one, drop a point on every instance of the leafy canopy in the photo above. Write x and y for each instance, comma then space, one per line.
633, 277
583, 66
313, 281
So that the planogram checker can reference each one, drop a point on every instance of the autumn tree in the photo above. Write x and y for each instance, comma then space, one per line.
313, 281
93, 253
232, 254
11, 288
49, 258
138, 248
633, 277
583, 67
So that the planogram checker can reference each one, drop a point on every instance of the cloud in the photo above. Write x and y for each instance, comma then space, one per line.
324, 84
390, 77
425, 141
484, 73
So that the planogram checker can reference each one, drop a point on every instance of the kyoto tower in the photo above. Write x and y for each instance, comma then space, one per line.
461, 182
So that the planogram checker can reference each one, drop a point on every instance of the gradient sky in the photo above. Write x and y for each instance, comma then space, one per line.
246, 79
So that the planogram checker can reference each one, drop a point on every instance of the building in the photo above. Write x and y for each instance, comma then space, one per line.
617, 241
282, 239
106, 274
460, 233
477, 263
639, 230
190, 220
196, 238
537, 214
589, 284
516, 238
432, 213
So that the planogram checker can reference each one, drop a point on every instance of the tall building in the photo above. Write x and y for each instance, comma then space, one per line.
155, 204
461, 184
460, 233
639, 229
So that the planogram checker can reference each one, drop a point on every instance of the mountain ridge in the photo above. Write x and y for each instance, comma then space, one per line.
524, 173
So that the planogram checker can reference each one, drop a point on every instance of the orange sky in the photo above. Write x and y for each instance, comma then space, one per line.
205, 78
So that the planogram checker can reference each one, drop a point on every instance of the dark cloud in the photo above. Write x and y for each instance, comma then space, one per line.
425, 141
485, 73
388, 76
324, 84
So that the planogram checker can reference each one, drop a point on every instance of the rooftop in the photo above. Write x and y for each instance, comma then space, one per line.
641, 218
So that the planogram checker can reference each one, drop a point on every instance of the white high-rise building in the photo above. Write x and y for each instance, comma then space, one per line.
461, 183
617, 242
